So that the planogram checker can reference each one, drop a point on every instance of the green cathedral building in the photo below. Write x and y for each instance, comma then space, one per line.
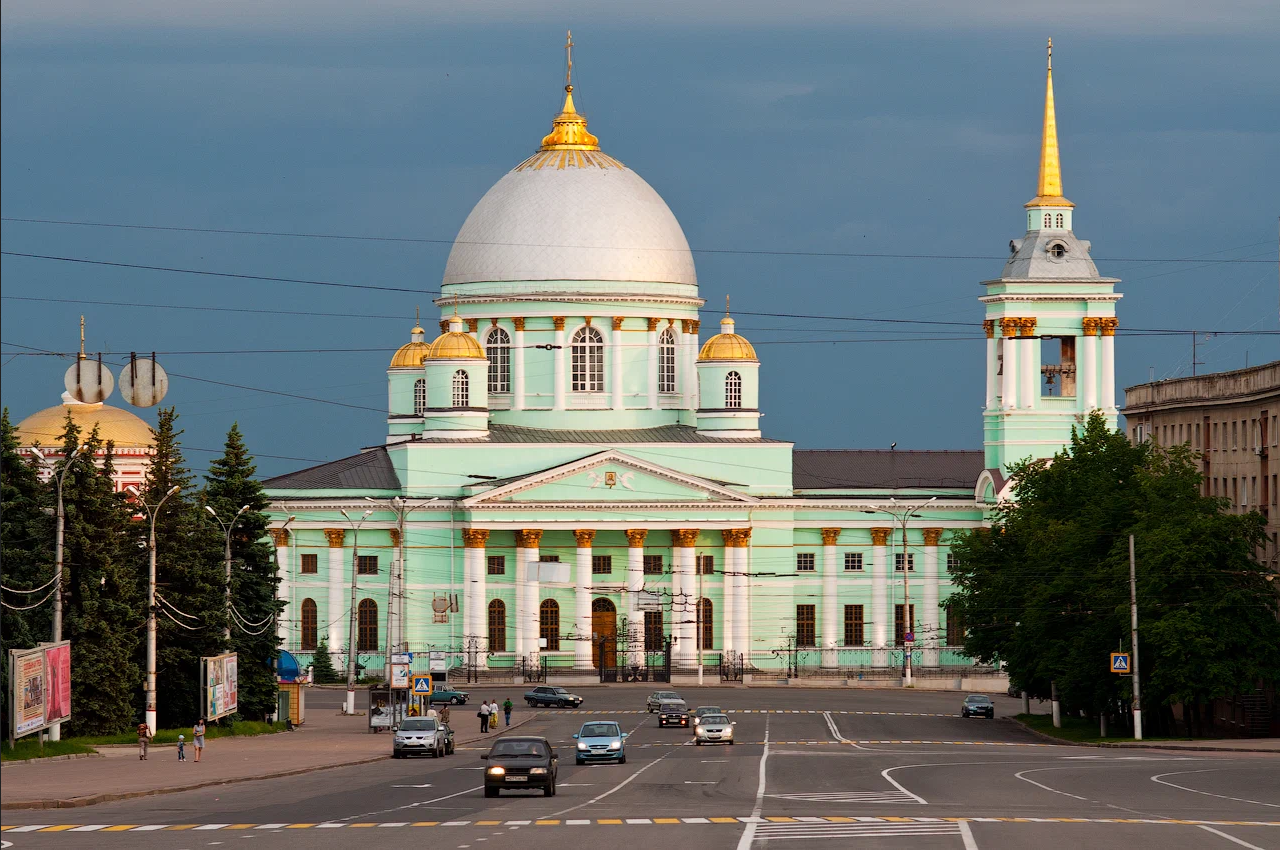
572, 477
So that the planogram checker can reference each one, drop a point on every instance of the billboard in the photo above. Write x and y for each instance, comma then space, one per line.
218, 685
40, 686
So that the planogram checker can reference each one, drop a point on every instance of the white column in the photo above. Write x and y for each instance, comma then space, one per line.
928, 621
742, 592
830, 608
1088, 369
517, 366
635, 584
690, 338
992, 365
280, 536
558, 403
728, 604
880, 614
1029, 366
582, 600
684, 591
618, 403
475, 610
1009, 390
1108, 400
653, 364
337, 612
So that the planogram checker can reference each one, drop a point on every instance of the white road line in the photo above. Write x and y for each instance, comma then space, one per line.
617, 787
966, 835
1046, 787
835, 733
749, 834
413, 805
885, 773
1231, 838
1157, 778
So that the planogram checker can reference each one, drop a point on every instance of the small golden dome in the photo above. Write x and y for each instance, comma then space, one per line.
455, 344
569, 129
114, 425
410, 355
727, 345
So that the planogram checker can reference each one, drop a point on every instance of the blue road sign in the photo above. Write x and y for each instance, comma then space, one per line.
1120, 662
422, 685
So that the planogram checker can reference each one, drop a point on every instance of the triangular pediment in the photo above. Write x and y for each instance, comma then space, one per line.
609, 476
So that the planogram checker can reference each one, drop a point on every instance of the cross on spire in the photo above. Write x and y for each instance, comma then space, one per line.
568, 55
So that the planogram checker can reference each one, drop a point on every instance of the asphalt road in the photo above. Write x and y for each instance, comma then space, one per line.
811, 768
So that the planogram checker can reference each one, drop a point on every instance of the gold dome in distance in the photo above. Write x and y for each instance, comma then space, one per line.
409, 355
727, 345
114, 425
455, 344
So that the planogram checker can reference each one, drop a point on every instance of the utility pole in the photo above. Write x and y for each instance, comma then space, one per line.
226, 562
697, 614
353, 625
1133, 628
908, 624
152, 513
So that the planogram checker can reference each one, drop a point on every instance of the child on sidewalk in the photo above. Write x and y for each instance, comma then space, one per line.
182, 748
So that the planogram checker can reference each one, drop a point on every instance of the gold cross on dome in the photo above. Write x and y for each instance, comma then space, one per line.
568, 53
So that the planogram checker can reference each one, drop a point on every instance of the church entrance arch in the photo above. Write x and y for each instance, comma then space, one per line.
604, 632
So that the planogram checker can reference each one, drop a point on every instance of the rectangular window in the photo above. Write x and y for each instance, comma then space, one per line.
654, 639
367, 565
806, 622
705, 565
899, 635
953, 561
955, 627
310, 564
496, 565
911, 562
805, 562
653, 565
1273, 489
1235, 435
1214, 444
548, 559
853, 626
1197, 443
853, 561
601, 565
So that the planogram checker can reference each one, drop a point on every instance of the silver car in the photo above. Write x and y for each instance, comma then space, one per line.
657, 698
713, 729
420, 736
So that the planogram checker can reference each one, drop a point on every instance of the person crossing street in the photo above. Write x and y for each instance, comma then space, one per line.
483, 714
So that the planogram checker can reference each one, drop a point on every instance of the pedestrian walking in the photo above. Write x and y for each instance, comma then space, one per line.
182, 748
144, 738
493, 715
506, 710
197, 738
444, 715
432, 713
483, 714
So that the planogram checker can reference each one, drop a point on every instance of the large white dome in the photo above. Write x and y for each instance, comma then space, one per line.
570, 212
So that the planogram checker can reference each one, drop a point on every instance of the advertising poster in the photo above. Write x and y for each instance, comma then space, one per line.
57, 663
399, 675
29, 693
220, 696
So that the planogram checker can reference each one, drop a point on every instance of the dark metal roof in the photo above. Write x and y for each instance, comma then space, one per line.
855, 469
369, 470
661, 434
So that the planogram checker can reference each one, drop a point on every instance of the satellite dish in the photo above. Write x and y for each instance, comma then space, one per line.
143, 382
88, 381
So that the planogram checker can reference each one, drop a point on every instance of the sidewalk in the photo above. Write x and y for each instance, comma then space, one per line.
326, 740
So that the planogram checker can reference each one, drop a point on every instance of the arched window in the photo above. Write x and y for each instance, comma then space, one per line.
549, 623
497, 626
1048, 220
420, 397
733, 391
461, 389
588, 361
667, 361
367, 626
310, 618
497, 347
705, 624
1058, 220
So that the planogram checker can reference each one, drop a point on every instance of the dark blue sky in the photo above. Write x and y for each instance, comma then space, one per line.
817, 131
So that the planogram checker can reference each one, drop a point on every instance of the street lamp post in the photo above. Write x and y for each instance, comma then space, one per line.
55, 732
152, 513
904, 516
395, 581
226, 557
352, 626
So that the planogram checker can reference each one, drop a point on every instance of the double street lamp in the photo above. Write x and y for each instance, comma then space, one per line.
903, 516
226, 555
152, 512
353, 625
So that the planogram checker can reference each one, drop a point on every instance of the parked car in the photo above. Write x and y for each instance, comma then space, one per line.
546, 695
421, 736
601, 740
654, 702
447, 731
713, 729
520, 763
703, 710
452, 697
978, 705
673, 712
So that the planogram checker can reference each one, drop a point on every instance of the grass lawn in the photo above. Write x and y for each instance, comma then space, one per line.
1079, 729
29, 748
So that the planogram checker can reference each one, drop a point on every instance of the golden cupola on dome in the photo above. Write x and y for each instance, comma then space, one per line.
727, 345
409, 355
455, 344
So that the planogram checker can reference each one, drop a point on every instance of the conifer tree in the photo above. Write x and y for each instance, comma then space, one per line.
191, 610
230, 486
322, 671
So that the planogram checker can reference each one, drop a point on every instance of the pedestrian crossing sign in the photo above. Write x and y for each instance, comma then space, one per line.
422, 685
1120, 663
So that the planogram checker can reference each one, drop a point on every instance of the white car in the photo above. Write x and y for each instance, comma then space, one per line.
420, 736
713, 729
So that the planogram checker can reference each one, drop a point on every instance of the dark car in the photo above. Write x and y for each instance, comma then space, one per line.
450, 696
673, 712
520, 763
978, 705
547, 695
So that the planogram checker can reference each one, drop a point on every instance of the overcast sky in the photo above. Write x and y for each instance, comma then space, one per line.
892, 128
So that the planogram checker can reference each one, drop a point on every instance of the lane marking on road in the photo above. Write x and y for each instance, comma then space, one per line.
749, 834
828, 743
795, 830
1230, 838
617, 787
966, 835
861, 797
1046, 787
1157, 778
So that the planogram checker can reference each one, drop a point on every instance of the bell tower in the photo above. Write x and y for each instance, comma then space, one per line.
1050, 325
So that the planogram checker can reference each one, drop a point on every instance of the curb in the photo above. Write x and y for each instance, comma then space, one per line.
68, 757
94, 799
1154, 745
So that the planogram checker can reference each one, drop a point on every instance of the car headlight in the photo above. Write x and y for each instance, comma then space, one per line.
616, 745
537, 770
700, 731
728, 733
582, 746
497, 771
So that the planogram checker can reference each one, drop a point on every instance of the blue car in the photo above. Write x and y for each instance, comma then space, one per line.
601, 740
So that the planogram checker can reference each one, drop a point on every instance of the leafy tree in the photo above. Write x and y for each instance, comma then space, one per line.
230, 486
190, 604
1046, 588
322, 670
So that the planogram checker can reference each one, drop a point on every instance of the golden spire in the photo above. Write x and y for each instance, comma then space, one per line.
82, 337
417, 321
1049, 190
569, 129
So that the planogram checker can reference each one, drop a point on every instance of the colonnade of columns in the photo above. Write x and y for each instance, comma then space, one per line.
335, 537
1014, 384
